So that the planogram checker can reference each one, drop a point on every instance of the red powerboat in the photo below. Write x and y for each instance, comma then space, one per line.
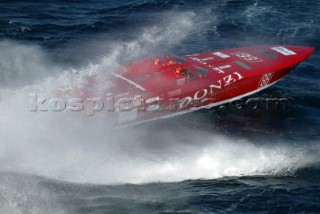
167, 85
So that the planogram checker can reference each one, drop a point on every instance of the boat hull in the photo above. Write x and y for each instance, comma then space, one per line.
166, 86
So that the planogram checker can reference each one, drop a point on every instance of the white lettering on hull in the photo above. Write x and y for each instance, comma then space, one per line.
219, 69
248, 57
201, 95
283, 51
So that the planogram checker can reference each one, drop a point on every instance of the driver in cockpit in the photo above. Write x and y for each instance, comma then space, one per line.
181, 71
167, 59
156, 61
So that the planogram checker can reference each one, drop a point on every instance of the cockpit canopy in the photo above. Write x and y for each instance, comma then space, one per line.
169, 58
180, 65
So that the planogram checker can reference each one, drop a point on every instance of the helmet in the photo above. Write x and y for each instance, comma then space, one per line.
178, 70
156, 61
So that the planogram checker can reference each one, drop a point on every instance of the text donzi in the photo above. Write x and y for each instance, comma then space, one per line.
201, 95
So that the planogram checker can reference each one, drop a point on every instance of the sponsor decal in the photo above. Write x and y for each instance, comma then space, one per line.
206, 59
198, 60
181, 81
126, 104
151, 100
283, 50
174, 93
265, 79
153, 107
248, 57
200, 96
220, 69
222, 55
247, 67
268, 53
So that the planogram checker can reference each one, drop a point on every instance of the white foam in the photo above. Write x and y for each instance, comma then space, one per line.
80, 149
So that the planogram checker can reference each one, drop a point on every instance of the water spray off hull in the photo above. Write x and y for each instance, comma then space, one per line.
167, 85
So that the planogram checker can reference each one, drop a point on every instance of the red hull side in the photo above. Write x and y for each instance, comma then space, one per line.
166, 86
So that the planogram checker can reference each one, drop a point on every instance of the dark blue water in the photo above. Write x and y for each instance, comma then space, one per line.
222, 160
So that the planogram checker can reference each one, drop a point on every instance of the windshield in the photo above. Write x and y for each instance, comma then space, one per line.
178, 59
161, 57
170, 57
202, 71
